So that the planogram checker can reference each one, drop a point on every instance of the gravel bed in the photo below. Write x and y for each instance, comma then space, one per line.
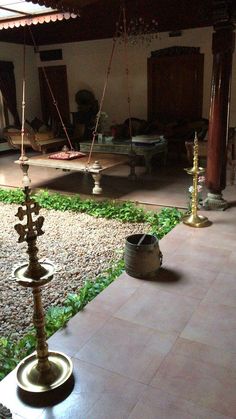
80, 246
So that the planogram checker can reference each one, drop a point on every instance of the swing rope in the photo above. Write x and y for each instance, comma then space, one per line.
22, 153
51, 93
126, 59
115, 38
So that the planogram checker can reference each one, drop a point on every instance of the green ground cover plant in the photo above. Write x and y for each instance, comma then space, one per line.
159, 224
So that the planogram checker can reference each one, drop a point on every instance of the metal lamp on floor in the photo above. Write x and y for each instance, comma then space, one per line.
194, 219
43, 370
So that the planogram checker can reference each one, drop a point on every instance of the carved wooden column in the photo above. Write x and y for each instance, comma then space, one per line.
223, 43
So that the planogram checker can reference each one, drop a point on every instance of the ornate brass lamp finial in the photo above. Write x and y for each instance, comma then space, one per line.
195, 220
29, 232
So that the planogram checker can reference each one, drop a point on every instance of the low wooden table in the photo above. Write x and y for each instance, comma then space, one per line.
124, 147
99, 164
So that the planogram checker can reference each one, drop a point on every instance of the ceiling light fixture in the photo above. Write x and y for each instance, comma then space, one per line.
140, 31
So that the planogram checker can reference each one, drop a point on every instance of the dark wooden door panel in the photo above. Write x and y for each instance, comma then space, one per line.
175, 85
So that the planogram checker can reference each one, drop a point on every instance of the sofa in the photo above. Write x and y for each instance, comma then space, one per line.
41, 139
177, 132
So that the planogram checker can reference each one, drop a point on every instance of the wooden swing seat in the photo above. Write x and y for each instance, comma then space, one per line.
38, 141
106, 161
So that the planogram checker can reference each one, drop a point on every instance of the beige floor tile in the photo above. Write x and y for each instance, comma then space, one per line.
206, 384
230, 265
168, 247
216, 239
118, 399
114, 296
157, 404
128, 349
180, 234
163, 311
195, 250
97, 390
213, 324
77, 332
182, 280
226, 227
223, 291
9, 397
206, 353
201, 256
129, 280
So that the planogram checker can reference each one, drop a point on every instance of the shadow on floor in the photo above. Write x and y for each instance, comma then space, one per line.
114, 186
165, 275
50, 398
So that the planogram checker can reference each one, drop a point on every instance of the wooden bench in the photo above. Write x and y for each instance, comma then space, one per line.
41, 142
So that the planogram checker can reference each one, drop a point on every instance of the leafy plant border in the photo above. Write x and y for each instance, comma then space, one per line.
159, 224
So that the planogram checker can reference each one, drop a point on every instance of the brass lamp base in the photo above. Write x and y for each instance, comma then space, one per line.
197, 221
30, 379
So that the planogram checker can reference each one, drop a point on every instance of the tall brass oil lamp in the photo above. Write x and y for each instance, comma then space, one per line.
43, 370
195, 220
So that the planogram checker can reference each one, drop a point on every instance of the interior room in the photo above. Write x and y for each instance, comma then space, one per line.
128, 102
66, 48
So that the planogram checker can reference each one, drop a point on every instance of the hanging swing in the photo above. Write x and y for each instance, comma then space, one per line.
70, 159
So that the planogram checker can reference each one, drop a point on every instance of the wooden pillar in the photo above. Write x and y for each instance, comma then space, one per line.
223, 43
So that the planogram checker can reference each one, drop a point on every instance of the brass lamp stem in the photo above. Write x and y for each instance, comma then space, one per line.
195, 177
194, 195
35, 270
38, 319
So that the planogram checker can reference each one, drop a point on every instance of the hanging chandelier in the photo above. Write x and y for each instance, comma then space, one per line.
139, 31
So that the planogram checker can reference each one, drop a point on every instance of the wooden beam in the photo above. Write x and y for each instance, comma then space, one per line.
69, 5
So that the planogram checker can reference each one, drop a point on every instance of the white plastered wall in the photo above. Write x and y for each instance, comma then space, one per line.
87, 65
87, 62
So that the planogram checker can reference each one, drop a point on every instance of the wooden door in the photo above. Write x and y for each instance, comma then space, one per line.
57, 77
175, 87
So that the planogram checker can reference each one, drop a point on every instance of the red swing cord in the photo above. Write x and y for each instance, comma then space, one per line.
51, 93
127, 70
22, 155
122, 11
115, 37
